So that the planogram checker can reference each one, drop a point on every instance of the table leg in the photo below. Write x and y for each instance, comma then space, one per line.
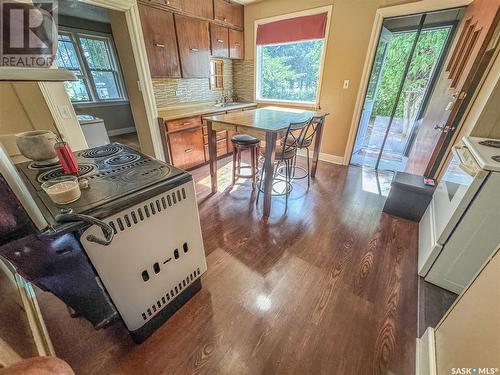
317, 145
212, 154
269, 171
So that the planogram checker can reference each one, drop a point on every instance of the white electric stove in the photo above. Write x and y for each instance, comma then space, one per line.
461, 226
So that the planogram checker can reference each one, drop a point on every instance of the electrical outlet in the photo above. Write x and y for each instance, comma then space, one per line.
346, 84
64, 111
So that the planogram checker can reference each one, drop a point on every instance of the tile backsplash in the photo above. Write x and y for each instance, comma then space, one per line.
172, 91
243, 80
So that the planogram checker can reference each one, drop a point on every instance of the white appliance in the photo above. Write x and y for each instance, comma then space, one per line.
94, 130
138, 223
461, 226
156, 253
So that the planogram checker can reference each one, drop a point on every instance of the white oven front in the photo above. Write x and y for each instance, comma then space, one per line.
455, 191
453, 195
156, 253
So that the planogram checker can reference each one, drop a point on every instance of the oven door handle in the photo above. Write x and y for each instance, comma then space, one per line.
106, 228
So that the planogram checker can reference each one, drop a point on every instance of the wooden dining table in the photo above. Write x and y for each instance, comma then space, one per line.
267, 124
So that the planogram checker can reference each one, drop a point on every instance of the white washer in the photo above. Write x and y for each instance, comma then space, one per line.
94, 130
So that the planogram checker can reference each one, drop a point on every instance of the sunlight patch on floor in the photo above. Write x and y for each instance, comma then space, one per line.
224, 174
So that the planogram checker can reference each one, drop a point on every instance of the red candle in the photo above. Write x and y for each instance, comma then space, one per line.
66, 158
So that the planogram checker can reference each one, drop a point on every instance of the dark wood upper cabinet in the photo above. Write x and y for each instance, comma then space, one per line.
160, 40
171, 3
177, 4
194, 46
237, 15
227, 12
219, 37
236, 44
200, 8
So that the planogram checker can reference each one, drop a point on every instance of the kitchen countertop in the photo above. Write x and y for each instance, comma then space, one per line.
174, 113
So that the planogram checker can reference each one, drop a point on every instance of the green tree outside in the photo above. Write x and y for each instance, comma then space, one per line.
427, 52
291, 71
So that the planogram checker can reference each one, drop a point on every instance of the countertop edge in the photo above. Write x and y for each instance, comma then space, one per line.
208, 109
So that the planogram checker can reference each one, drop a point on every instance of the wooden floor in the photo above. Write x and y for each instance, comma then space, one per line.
330, 287
129, 139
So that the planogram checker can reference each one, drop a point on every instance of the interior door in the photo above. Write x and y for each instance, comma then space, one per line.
454, 81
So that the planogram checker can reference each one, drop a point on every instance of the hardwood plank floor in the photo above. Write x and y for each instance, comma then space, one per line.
129, 139
330, 287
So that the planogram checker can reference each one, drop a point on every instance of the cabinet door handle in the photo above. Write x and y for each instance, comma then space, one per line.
194, 49
237, 44
220, 40
160, 45
186, 123
187, 150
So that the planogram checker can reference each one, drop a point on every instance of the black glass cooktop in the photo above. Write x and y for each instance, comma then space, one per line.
114, 172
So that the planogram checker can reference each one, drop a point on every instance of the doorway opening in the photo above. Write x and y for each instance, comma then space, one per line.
86, 46
409, 57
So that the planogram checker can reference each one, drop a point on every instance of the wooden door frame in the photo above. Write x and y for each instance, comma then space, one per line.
475, 109
381, 13
129, 7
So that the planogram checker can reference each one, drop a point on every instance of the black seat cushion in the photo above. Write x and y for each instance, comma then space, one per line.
244, 139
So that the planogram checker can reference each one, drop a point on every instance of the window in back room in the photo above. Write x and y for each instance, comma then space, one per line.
90, 47
92, 58
289, 57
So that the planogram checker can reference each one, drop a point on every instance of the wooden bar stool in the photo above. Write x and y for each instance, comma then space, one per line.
240, 143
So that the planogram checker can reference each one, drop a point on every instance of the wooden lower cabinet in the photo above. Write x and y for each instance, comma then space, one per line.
186, 140
186, 148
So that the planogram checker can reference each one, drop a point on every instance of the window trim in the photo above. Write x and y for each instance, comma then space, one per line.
75, 34
307, 12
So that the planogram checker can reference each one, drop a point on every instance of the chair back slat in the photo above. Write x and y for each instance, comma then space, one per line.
294, 134
310, 132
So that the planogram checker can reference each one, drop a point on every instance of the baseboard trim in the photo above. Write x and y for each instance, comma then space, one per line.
329, 158
121, 131
425, 356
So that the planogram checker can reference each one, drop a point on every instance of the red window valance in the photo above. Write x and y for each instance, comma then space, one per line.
292, 29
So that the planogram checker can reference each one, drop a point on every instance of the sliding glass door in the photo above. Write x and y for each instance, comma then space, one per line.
407, 59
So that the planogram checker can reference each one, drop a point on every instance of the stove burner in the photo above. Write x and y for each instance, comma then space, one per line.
490, 143
36, 165
83, 169
496, 158
121, 159
101, 152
